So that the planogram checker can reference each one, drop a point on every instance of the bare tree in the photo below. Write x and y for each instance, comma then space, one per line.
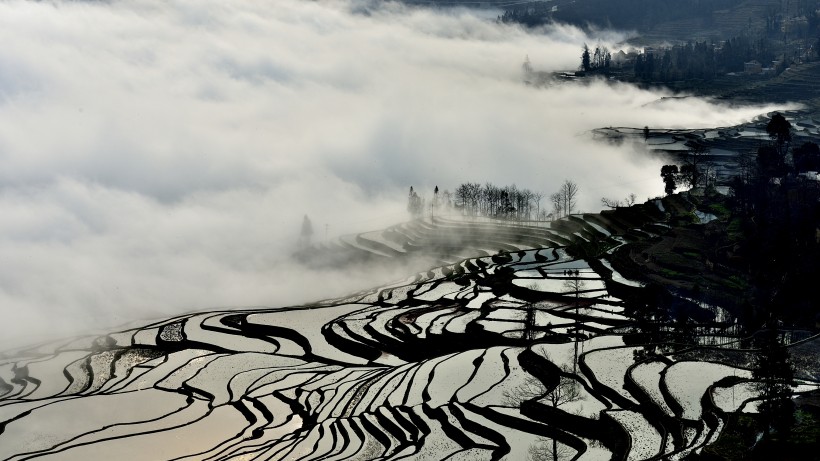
557, 204
549, 450
569, 192
611, 202
575, 285
566, 391
692, 170
536, 197
614, 203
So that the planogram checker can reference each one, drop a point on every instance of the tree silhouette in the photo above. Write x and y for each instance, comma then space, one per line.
780, 131
567, 390
557, 205
807, 157
306, 233
549, 450
527, 66
770, 163
669, 173
569, 192
585, 59
774, 375
692, 170
616, 203
415, 204
575, 285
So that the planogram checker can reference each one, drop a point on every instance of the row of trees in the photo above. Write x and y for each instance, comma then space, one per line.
508, 202
624, 14
739, 50
680, 62
489, 200
599, 60
703, 60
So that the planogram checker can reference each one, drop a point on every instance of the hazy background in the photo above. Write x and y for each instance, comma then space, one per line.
157, 156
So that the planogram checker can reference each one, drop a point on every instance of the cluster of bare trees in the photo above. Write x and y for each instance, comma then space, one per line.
564, 201
489, 200
507, 202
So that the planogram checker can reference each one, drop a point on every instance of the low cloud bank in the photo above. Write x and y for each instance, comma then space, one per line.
158, 156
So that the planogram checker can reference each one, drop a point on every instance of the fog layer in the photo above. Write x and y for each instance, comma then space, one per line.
158, 156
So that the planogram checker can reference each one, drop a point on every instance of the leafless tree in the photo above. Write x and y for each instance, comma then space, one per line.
569, 193
536, 198
575, 285
614, 203
532, 388
692, 169
508, 202
611, 202
566, 391
557, 205
549, 450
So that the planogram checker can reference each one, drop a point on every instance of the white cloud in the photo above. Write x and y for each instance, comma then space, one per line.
157, 156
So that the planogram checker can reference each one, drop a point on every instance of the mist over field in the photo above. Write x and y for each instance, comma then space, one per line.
157, 156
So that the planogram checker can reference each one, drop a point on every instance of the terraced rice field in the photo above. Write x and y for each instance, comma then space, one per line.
492, 355
725, 145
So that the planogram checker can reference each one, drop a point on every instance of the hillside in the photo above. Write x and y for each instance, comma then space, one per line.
516, 353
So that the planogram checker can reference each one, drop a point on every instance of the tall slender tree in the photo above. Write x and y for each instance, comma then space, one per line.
569, 193
585, 59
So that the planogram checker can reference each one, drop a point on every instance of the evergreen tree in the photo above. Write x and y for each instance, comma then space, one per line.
585, 59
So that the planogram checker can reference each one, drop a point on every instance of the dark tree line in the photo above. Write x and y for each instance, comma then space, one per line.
598, 60
739, 50
629, 14
776, 210
704, 60
529, 14
513, 203
693, 60
489, 200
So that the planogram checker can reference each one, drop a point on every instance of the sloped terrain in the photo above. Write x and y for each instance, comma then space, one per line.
503, 355
725, 146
